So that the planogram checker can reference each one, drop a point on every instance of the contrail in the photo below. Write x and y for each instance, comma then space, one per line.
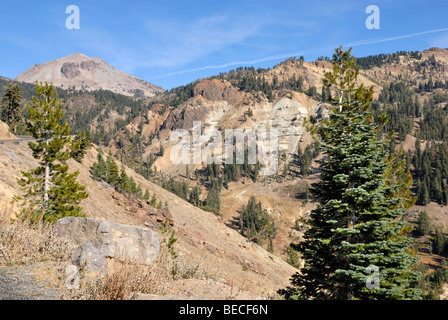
373, 41
283, 56
238, 63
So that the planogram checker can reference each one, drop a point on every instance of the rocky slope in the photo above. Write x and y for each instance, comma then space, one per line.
80, 72
202, 238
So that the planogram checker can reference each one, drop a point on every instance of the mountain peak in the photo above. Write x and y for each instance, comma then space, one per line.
80, 72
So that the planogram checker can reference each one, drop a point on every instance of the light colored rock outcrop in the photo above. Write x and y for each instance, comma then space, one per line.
97, 240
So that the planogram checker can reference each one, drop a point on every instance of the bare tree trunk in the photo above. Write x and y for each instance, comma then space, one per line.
47, 179
46, 184
256, 236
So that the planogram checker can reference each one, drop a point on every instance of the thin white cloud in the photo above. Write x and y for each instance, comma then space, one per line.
179, 43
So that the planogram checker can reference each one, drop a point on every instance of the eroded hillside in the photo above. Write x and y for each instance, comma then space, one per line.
202, 237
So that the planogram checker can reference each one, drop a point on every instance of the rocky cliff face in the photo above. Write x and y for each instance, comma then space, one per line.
80, 72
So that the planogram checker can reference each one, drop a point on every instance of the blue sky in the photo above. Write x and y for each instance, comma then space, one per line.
171, 43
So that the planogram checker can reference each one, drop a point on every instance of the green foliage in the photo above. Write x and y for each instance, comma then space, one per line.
178, 188
11, 108
424, 223
161, 150
379, 60
109, 172
146, 195
431, 284
440, 242
213, 201
51, 192
434, 124
255, 223
401, 106
153, 200
168, 238
252, 80
430, 168
292, 257
305, 158
361, 197
80, 144
194, 197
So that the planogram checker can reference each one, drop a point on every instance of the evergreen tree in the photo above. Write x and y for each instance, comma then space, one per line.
124, 183
255, 222
161, 150
11, 112
80, 144
422, 193
146, 195
99, 169
153, 200
51, 192
439, 242
194, 196
213, 200
358, 219
113, 171
423, 223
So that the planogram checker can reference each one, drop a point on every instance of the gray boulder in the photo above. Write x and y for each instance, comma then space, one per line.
97, 240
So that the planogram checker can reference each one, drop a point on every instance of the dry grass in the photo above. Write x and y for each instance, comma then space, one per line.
23, 243
121, 282
125, 280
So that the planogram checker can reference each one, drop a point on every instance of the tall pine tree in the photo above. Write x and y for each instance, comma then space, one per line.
360, 198
51, 191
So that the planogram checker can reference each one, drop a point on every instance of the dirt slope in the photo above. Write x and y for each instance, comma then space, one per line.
202, 237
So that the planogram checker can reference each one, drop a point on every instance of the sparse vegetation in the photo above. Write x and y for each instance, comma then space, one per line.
255, 223
107, 171
11, 107
24, 243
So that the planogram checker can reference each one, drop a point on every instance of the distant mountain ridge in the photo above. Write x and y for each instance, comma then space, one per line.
80, 72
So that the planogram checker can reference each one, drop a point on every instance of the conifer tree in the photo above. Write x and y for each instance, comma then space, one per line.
423, 223
124, 181
255, 222
439, 242
51, 192
113, 171
153, 200
213, 200
80, 144
358, 222
11, 106
146, 195
99, 168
